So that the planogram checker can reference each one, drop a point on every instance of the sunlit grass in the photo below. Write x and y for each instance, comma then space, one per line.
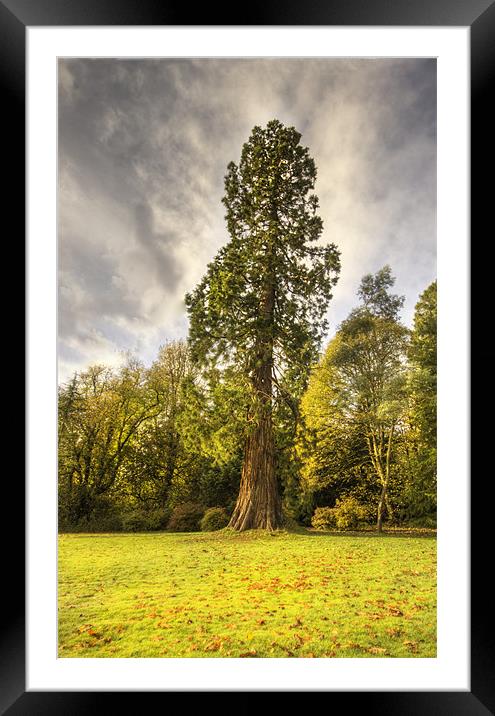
247, 594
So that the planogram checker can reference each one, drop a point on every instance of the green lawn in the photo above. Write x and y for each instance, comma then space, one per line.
247, 594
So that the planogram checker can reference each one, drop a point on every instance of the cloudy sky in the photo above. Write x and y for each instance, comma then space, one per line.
143, 150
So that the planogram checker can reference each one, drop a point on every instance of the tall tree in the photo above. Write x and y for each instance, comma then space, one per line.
422, 356
331, 444
159, 453
355, 402
261, 304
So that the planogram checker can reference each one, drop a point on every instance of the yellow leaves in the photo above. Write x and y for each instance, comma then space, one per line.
96, 639
296, 624
302, 639
217, 643
376, 650
88, 629
214, 645
275, 585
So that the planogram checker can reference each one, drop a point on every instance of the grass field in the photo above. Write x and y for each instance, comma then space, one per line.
247, 595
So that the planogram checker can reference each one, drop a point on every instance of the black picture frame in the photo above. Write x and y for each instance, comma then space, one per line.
479, 15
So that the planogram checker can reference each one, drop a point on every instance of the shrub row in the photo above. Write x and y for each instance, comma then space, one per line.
188, 517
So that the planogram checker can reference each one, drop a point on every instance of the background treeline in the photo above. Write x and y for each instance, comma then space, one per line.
149, 448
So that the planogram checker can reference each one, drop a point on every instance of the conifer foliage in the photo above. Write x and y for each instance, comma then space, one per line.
261, 304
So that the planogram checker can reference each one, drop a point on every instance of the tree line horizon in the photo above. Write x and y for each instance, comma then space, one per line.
248, 414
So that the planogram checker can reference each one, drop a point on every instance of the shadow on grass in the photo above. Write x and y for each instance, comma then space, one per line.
227, 532
373, 533
262, 534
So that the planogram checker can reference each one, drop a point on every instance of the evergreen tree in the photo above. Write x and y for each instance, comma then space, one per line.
422, 356
262, 302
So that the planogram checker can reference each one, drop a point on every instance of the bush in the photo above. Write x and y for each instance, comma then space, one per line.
96, 523
425, 521
99, 514
186, 517
324, 518
139, 520
216, 518
349, 513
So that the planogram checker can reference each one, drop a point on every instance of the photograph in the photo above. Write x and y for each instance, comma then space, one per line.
247, 357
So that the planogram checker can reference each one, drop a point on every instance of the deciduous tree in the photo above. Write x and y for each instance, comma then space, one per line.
356, 398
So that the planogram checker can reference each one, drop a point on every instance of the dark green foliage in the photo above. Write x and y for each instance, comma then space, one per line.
259, 310
102, 516
186, 517
211, 428
273, 224
375, 297
422, 455
216, 518
139, 520
426, 521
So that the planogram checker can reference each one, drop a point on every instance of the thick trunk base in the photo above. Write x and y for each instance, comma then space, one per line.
258, 504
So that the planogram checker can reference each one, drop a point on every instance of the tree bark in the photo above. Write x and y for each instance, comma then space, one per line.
258, 504
381, 509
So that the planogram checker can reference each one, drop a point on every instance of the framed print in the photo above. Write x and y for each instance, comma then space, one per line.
48, 50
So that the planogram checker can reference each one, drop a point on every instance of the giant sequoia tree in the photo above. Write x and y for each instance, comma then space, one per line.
260, 306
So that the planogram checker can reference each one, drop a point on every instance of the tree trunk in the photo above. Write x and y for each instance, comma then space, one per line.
381, 508
172, 447
258, 505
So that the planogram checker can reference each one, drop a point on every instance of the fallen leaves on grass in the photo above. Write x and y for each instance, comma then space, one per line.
296, 624
214, 645
376, 650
